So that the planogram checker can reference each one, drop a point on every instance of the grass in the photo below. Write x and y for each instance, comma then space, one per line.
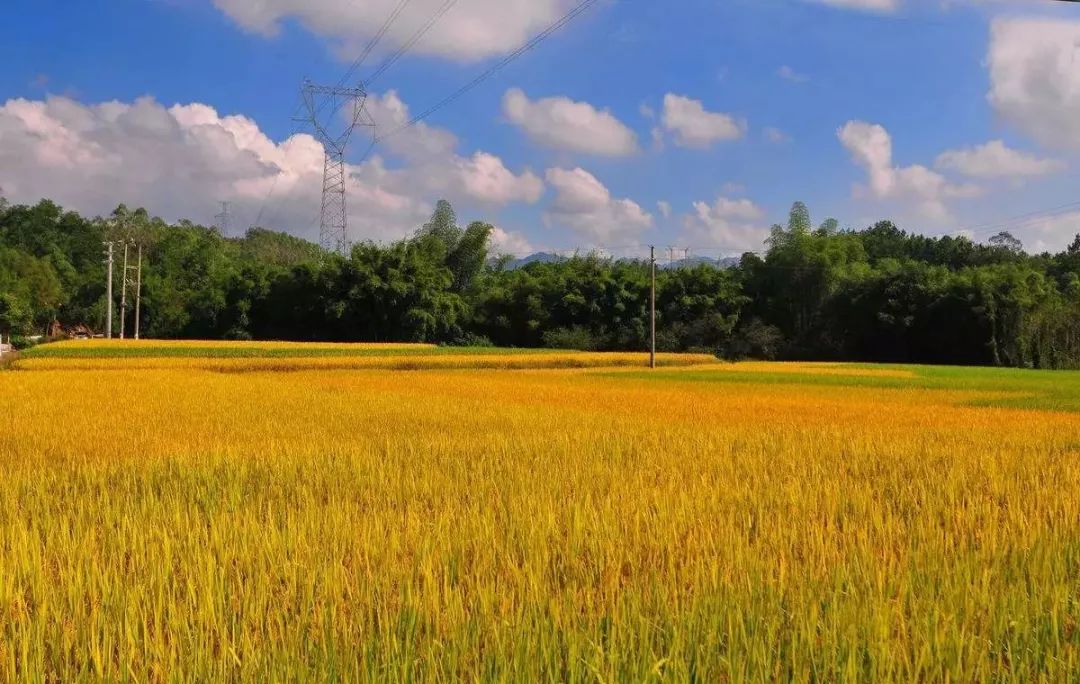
1006, 387
741, 523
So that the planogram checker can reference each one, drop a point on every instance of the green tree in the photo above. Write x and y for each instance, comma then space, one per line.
15, 317
1007, 242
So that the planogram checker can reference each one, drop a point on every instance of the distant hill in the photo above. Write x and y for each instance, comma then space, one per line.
691, 262
537, 258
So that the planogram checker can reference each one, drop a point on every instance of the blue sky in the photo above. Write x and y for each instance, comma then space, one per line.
693, 123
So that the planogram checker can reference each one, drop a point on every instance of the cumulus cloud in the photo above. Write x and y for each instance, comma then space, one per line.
178, 161
997, 160
468, 31
564, 124
665, 208
694, 126
1050, 233
1035, 77
389, 112
585, 205
513, 243
433, 164
732, 225
870, 147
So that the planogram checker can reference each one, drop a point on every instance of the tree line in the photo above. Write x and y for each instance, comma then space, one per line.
816, 292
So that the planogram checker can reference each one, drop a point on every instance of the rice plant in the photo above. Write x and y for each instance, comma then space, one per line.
718, 523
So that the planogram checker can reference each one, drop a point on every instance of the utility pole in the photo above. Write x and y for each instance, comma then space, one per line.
108, 290
652, 308
333, 227
123, 291
223, 219
138, 293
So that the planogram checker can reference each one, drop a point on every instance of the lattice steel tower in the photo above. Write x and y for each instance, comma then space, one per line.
323, 104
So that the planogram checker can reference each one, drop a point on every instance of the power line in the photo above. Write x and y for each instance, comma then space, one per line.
536, 40
333, 231
269, 194
421, 32
277, 177
1019, 221
374, 41
357, 63
408, 45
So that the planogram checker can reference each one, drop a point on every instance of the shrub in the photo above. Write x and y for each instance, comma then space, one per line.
576, 337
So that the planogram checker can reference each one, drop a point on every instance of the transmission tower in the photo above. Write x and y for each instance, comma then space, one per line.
223, 219
323, 104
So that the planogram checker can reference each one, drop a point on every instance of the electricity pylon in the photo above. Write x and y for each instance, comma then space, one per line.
223, 219
323, 104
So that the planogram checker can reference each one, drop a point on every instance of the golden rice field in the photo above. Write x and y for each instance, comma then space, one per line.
288, 357
209, 518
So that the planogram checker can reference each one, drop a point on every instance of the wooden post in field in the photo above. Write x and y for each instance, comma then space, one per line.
652, 309
123, 291
108, 291
138, 293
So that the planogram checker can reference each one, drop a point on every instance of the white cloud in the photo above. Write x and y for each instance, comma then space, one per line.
468, 31
434, 166
996, 160
179, 161
585, 205
870, 146
665, 208
883, 6
731, 225
657, 135
513, 243
562, 123
776, 136
696, 127
484, 177
789, 74
419, 142
1052, 233
1035, 77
